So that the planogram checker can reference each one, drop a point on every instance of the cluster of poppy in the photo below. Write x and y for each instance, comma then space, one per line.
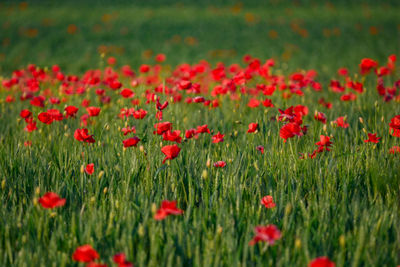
89, 255
200, 85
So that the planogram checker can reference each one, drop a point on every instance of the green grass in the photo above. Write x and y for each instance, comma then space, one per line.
343, 204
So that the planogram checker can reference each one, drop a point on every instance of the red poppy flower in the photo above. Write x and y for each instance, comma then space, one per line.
93, 111
269, 234
167, 208
162, 127
170, 152
82, 135
94, 264
55, 100
85, 253
252, 127
253, 103
190, 133
203, 129
120, 259
71, 111
343, 72
218, 138
159, 115
324, 143
144, 68
319, 116
173, 136
128, 130
30, 127
290, 130
133, 141
321, 262
341, 122
127, 93
372, 138
268, 103
45, 117
160, 106
25, 114
55, 114
394, 150
89, 169
394, 126
268, 202
38, 101
261, 149
51, 200
160, 58
366, 65
220, 164
139, 114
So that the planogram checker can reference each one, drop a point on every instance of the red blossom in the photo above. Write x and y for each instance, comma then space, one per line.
372, 138
51, 200
252, 127
202, 129
269, 234
268, 202
82, 135
341, 122
321, 262
167, 208
93, 111
85, 253
133, 141
394, 126
162, 127
170, 152
220, 164
218, 138
89, 169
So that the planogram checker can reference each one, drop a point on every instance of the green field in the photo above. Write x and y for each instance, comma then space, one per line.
343, 203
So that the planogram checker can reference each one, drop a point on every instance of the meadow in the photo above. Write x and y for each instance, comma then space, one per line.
200, 133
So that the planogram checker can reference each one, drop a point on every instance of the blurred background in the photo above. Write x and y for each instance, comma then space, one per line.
324, 35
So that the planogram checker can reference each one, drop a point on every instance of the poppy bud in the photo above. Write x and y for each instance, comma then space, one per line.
92, 199
105, 190
361, 120
53, 214
288, 209
208, 164
324, 128
141, 230
82, 169
3, 184
383, 119
37, 191
342, 240
364, 130
35, 201
255, 166
153, 208
204, 174
101, 173
141, 148
297, 243
219, 230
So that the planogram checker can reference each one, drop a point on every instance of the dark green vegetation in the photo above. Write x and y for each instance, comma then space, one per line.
319, 35
343, 204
